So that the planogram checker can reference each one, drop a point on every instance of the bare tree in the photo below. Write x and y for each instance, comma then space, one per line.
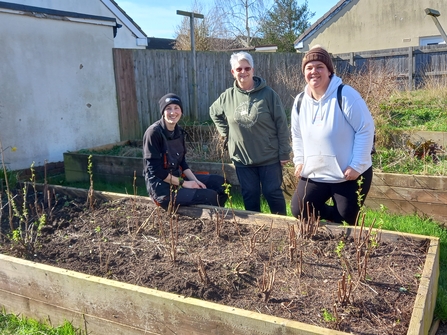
210, 33
240, 19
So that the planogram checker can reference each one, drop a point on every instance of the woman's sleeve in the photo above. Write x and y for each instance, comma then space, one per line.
297, 140
362, 122
217, 114
153, 154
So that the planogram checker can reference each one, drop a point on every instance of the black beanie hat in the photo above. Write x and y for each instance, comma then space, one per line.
319, 54
170, 99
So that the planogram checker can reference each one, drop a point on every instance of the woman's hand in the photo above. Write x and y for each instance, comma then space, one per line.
193, 184
298, 170
351, 174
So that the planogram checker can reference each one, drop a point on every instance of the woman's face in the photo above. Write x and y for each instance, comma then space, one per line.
317, 75
243, 73
172, 114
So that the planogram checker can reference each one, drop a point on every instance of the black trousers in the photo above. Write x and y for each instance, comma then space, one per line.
347, 197
213, 195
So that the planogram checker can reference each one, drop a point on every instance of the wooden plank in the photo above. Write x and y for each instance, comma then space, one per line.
228, 170
434, 211
408, 194
413, 181
425, 303
56, 315
130, 126
135, 309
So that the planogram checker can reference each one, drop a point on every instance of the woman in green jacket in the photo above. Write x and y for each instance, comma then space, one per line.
251, 118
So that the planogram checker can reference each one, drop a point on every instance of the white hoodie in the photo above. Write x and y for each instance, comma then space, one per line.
326, 139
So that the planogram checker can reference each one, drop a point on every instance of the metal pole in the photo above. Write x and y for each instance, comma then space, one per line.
194, 69
434, 15
193, 59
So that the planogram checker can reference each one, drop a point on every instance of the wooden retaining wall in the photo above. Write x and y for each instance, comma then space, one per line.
401, 194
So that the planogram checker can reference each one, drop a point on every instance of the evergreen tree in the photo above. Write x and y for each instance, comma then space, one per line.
284, 23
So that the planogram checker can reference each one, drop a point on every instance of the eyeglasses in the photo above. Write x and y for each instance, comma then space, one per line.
239, 69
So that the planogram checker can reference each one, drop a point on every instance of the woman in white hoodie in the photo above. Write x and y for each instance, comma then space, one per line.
332, 144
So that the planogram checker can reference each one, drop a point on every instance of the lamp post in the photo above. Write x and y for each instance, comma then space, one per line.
193, 57
434, 15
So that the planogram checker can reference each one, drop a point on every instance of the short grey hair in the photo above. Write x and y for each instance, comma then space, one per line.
238, 56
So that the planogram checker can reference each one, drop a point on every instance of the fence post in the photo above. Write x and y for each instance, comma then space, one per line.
410, 68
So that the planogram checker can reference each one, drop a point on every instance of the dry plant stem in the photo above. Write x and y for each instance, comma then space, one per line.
237, 271
8, 190
103, 266
161, 231
292, 242
39, 211
337, 317
90, 197
202, 271
363, 245
307, 228
134, 184
133, 211
254, 238
146, 222
266, 282
217, 222
45, 187
344, 289
174, 236
300, 264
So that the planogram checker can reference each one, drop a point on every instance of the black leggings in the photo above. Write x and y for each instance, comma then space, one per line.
344, 195
213, 195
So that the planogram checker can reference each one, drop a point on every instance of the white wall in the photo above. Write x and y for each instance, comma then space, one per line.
127, 36
57, 87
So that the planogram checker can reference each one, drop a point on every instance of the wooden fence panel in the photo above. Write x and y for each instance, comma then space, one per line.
143, 76
126, 94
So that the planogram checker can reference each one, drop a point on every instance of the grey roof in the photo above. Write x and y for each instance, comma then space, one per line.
160, 43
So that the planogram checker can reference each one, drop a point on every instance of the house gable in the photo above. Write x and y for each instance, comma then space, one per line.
362, 25
127, 24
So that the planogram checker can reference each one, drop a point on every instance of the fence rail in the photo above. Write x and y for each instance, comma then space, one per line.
143, 76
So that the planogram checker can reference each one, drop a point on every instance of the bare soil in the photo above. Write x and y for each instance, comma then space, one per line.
308, 273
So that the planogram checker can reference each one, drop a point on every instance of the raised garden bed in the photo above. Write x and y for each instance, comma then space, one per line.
404, 194
102, 306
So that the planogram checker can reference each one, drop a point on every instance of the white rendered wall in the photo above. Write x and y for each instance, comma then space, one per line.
57, 87
125, 38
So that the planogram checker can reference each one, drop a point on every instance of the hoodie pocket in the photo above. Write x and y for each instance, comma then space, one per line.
322, 167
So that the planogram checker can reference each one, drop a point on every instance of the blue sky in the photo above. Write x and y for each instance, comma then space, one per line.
159, 18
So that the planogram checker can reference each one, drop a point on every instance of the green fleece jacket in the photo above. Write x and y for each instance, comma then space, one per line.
254, 123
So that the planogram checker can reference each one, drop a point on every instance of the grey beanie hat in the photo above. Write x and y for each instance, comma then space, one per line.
169, 99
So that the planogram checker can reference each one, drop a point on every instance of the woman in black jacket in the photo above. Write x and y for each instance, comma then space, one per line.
165, 165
